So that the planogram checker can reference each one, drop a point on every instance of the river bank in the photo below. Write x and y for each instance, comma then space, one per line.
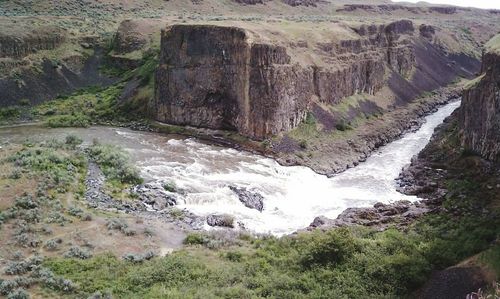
208, 180
347, 149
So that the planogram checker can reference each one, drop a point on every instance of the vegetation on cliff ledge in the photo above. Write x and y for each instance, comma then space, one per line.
493, 45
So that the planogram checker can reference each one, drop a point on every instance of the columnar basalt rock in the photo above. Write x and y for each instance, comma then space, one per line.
479, 116
202, 77
18, 46
225, 78
130, 37
213, 77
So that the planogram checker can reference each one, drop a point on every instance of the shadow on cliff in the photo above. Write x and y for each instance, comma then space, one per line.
53, 80
434, 69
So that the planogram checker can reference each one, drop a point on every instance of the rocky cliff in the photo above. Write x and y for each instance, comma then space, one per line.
234, 78
39, 63
214, 77
20, 45
479, 116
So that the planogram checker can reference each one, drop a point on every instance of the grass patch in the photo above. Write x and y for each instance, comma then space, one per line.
306, 130
492, 259
91, 105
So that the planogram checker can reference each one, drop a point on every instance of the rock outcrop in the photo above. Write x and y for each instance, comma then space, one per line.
250, 2
133, 39
155, 196
50, 80
224, 78
251, 200
479, 116
303, 2
380, 216
387, 8
130, 36
222, 220
19, 45
448, 10
211, 76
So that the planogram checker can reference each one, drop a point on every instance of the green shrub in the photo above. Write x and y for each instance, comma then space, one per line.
330, 248
18, 294
343, 126
176, 213
170, 187
73, 140
233, 256
75, 211
15, 174
61, 121
6, 286
310, 119
24, 102
7, 113
53, 244
78, 252
139, 258
116, 224
115, 164
195, 239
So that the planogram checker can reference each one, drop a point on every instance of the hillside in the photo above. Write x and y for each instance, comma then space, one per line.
385, 76
123, 122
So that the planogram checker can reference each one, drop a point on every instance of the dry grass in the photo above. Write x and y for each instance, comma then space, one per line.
90, 233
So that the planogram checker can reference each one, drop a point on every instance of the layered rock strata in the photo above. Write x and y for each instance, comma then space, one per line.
20, 45
479, 114
222, 78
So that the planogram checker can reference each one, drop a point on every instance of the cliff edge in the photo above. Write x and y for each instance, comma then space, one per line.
262, 82
479, 116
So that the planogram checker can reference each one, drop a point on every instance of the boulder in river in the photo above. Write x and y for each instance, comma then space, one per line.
252, 200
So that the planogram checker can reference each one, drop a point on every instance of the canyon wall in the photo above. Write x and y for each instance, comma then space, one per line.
479, 115
212, 77
40, 63
220, 78
20, 45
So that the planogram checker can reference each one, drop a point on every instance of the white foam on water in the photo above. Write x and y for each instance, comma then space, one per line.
294, 195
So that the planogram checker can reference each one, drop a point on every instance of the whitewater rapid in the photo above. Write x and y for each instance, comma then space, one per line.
293, 195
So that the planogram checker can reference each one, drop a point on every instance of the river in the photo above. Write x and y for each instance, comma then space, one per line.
294, 195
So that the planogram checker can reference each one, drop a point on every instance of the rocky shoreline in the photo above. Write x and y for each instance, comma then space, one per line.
417, 179
154, 201
363, 141
151, 202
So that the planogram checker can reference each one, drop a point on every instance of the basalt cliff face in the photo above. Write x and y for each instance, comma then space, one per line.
479, 115
44, 38
39, 63
214, 77
234, 78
